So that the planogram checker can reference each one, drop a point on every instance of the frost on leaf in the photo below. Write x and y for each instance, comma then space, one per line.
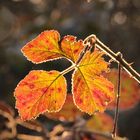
69, 111
40, 91
92, 92
101, 123
44, 47
71, 47
130, 90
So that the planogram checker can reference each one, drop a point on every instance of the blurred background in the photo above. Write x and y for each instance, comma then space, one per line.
115, 22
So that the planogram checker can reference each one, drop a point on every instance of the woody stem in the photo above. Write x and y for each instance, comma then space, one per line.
115, 56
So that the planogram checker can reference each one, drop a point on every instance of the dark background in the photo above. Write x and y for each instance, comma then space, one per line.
115, 22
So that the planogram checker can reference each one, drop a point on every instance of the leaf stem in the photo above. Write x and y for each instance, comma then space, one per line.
117, 101
68, 69
115, 56
74, 65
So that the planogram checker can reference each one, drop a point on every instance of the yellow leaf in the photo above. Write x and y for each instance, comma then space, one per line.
92, 92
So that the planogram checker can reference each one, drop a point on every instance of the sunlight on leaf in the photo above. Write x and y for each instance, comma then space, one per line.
92, 92
40, 91
69, 111
71, 47
130, 90
44, 47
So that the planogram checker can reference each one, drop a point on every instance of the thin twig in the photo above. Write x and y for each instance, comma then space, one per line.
97, 133
117, 101
74, 65
12, 125
87, 45
68, 69
91, 132
29, 137
115, 56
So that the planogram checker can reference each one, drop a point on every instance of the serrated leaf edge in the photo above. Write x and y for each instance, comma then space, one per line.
46, 109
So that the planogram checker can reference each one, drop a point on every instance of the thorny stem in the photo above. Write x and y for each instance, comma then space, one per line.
115, 57
82, 53
117, 100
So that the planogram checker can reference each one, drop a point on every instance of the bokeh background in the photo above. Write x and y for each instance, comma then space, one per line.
115, 22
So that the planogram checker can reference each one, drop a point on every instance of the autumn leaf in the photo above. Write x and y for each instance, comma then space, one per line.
130, 90
92, 92
69, 111
100, 123
40, 91
44, 47
71, 47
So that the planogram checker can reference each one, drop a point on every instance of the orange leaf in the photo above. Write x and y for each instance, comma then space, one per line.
130, 90
92, 92
43, 48
71, 47
100, 123
69, 112
40, 91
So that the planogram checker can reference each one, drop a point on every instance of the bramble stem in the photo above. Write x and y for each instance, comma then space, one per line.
115, 56
68, 69
82, 54
74, 65
117, 100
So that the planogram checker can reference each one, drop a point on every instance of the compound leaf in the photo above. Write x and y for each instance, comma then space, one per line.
69, 111
44, 47
71, 47
40, 91
92, 92
130, 90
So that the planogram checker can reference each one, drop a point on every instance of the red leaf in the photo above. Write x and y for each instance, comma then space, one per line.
130, 90
40, 91
100, 123
69, 112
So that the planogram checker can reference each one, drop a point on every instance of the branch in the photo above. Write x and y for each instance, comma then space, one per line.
73, 66
115, 56
11, 124
29, 137
101, 134
91, 132
117, 101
